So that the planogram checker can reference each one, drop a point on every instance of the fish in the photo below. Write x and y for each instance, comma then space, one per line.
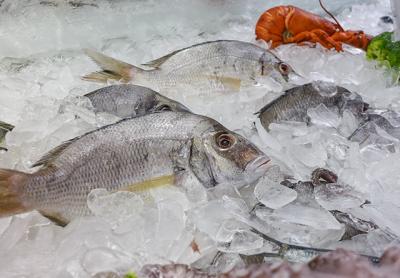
126, 101
294, 103
4, 129
281, 250
305, 190
133, 154
378, 128
212, 65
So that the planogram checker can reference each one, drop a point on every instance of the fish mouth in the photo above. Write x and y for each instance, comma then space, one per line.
259, 165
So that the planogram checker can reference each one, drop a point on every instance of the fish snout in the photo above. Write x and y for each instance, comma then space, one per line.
258, 165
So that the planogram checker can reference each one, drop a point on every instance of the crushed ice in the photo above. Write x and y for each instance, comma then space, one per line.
41, 95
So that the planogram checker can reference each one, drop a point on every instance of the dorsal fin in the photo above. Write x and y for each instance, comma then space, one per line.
49, 157
6, 126
159, 61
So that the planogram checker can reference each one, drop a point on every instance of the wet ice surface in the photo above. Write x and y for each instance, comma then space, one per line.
40, 87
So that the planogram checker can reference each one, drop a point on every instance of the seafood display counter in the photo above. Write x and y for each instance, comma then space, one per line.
199, 138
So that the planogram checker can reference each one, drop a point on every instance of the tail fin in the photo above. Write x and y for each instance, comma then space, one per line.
11, 188
6, 126
112, 69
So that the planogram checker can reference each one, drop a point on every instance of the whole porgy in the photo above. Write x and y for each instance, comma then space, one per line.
135, 153
294, 103
223, 64
127, 101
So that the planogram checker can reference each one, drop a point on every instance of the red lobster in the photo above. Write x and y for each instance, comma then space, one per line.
289, 24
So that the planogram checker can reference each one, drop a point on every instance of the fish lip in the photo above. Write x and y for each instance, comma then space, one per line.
258, 165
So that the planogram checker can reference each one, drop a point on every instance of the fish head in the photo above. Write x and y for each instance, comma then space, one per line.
167, 104
231, 158
352, 101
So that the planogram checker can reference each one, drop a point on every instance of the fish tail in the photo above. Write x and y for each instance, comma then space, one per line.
6, 126
11, 188
112, 69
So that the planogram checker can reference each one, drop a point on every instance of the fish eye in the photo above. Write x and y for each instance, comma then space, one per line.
284, 68
225, 140
164, 107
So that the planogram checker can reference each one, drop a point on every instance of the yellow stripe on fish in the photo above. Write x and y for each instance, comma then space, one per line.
150, 184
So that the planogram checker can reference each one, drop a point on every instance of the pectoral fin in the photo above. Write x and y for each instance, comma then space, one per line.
56, 218
228, 82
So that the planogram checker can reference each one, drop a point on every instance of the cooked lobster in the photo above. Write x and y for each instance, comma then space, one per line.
289, 24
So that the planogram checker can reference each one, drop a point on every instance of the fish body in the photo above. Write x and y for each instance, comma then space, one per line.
126, 101
294, 103
133, 154
353, 225
223, 64
370, 126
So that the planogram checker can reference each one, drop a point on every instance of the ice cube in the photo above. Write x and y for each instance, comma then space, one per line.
321, 115
348, 123
307, 215
209, 217
282, 227
114, 207
244, 241
105, 259
312, 156
327, 89
266, 138
333, 196
171, 220
273, 194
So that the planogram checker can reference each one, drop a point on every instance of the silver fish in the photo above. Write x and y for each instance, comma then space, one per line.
126, 101
368, 130
280, 250
134, 154
294, 103
4, 129
305, 190
222, 64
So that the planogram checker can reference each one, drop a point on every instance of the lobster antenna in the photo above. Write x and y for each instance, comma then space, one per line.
331, 15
